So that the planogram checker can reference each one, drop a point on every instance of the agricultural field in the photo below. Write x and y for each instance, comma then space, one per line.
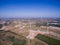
48, 40
11, 38
29, 33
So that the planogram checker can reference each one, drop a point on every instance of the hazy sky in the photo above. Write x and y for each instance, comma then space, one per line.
29, 8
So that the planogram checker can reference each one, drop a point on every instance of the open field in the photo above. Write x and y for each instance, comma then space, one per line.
11, 38
29, 31
49, 40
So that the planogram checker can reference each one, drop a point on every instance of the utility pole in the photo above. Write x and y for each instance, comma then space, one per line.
30, 24
47, 28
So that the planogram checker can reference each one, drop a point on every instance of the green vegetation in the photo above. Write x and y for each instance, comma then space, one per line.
10, 38
48, 40
41, 24
16, 41
36, 42
1, 43
21, 40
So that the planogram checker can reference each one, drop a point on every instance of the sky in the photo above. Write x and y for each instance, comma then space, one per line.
29, 8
